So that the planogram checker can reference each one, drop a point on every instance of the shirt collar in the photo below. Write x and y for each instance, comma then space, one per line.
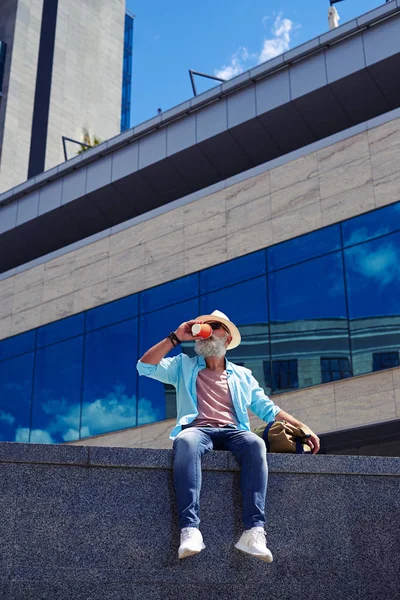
201, 361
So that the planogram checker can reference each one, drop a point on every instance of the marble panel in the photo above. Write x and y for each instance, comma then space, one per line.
341, 153
347, 390
370, 408
384, 136
157, 432
345, 177
5, 327
204, 231
320, 420
348, 204
7, 287
127, 438
250, 189
204, 256
128, 260
59, 266
30, 278
295, 197
91, 274
297, 222
294, 172
251, 213
123, 240
6, 307
93, 252
250, 239
161, 271
57, 309
397, 401
58, 286
126, 284
25, 320
386, 162
28, 298
396, 378
168, 245
204, 208
88, 297
312, 397
387, 189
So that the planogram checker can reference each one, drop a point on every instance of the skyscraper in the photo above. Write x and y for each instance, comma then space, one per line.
63, 69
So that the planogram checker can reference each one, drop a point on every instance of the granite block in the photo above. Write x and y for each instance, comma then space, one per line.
108, 528
53, 454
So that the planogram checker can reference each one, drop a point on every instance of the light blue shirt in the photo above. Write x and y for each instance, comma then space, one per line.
181, 371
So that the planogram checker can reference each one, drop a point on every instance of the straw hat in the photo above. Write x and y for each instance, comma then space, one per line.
219, 317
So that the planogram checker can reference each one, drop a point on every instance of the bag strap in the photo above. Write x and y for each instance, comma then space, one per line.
265, 434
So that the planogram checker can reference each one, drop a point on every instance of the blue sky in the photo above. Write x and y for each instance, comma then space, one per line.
216, 36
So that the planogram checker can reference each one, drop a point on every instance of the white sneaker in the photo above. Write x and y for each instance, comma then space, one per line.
191, 542
253, 541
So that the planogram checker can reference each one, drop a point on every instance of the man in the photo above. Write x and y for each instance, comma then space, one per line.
213, 396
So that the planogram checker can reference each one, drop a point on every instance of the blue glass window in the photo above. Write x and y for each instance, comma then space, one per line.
113, 312
373, 284
371, 225
304, 247
234, 271
153, 395
308, 315
15, 398
169, 293
385, 360
110, 377
333, 369
246, 305
284, 375
127, 73
18, 344
60, 330
57, 392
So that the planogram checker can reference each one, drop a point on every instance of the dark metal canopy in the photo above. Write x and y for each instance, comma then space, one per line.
329, 84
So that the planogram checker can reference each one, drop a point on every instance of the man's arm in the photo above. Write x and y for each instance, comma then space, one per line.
313, 441
157, 352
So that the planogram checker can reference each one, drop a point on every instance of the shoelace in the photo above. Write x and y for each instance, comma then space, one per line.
188, 533
259, 536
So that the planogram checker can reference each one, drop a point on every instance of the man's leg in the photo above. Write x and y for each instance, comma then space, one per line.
250, 451
189, 446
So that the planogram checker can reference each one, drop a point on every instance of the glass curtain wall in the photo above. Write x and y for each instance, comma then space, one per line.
318, 308
127, 73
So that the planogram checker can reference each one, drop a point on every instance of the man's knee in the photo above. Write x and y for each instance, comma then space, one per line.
186, 441
255, 444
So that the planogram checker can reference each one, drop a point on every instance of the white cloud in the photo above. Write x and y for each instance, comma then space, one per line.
381, 264
242, 59
6, 417
280, 40
115, 411
235, 66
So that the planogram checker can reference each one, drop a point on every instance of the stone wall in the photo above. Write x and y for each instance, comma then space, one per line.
348, 178
94, 523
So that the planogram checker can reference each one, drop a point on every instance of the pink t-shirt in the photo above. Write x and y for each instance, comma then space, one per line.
214, 401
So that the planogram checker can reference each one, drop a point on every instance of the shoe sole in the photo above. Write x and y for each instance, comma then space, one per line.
264, 557
188, 552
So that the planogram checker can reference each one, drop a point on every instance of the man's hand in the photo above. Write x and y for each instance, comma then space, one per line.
313, 441
184, 331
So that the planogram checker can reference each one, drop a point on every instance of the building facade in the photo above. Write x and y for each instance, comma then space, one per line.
54, 53
300, 251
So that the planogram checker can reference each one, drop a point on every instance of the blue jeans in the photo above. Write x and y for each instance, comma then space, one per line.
249, 449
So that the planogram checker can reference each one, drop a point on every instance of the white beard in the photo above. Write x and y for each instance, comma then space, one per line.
213, 346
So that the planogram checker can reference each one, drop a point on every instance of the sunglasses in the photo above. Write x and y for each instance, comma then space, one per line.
216, 325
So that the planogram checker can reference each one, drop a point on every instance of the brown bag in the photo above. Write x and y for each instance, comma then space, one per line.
280, 436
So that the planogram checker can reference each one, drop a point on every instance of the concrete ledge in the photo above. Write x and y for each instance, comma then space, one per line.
90, 523
148, 458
